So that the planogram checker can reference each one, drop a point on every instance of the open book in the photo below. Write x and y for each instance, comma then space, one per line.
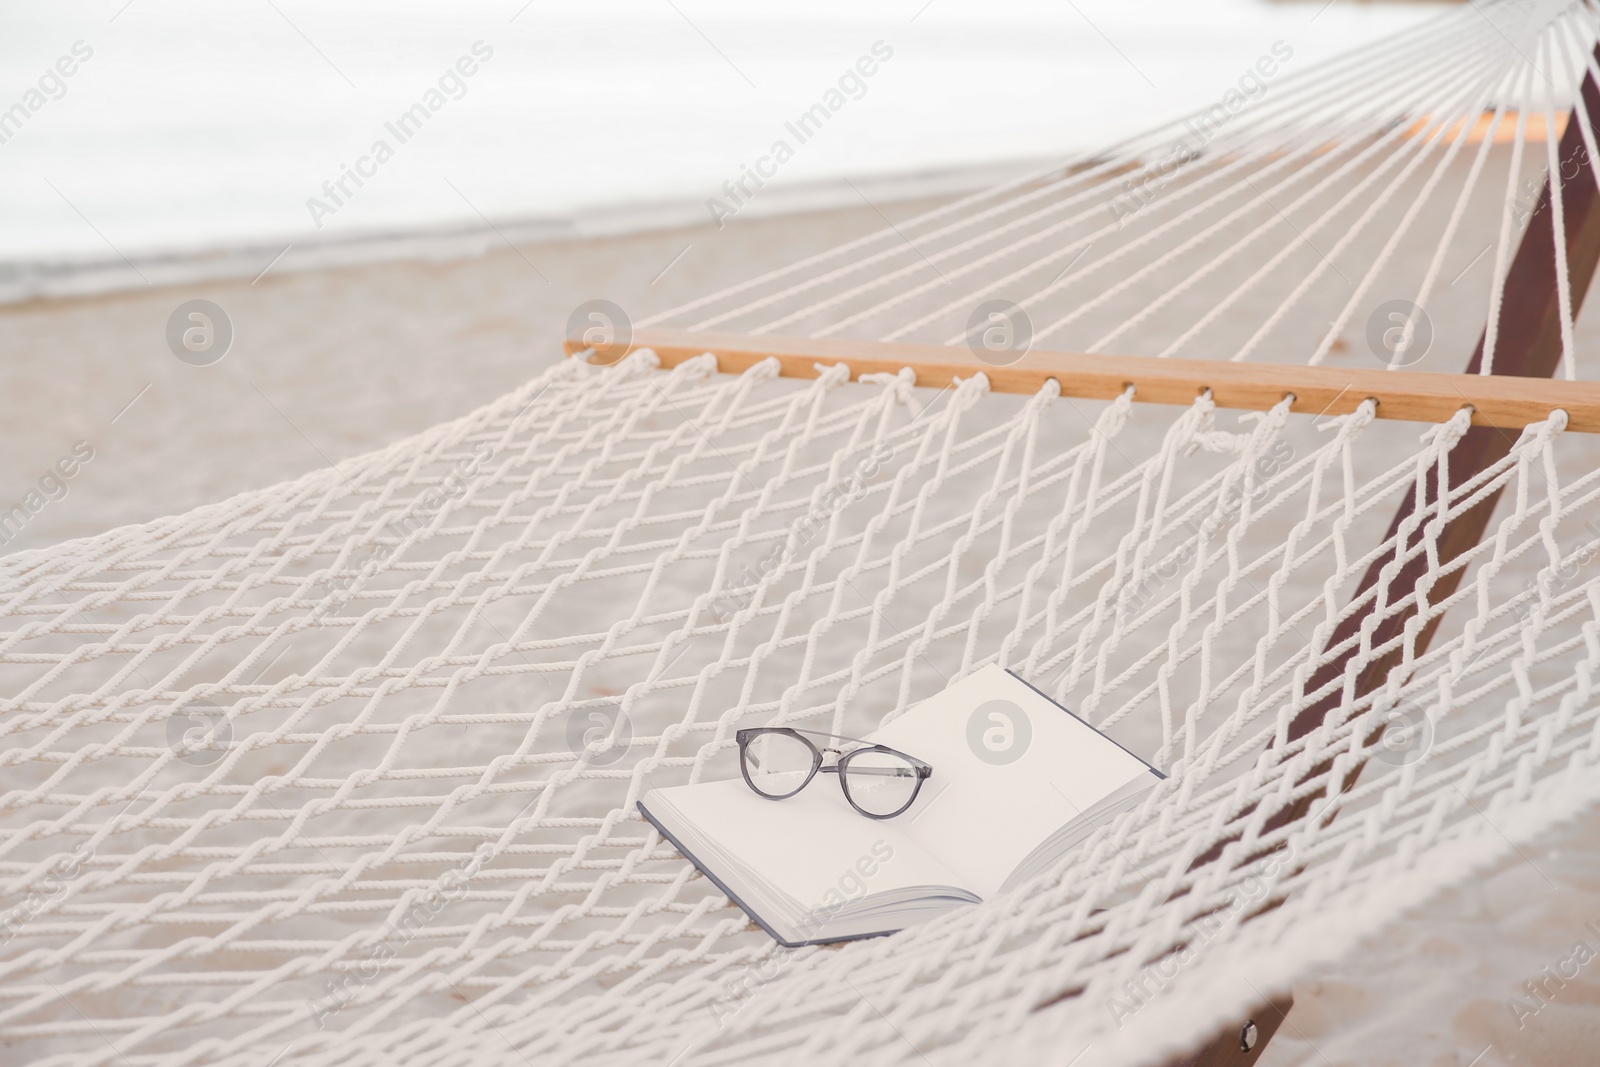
1017, 781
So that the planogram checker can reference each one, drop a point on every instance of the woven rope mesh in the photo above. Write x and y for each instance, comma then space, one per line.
345, 770
397, 815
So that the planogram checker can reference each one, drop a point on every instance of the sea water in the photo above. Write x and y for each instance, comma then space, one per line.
194, 138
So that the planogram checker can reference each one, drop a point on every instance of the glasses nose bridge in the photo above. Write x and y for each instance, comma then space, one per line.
830, 751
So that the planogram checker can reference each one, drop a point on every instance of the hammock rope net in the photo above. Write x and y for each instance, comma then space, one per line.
345, 770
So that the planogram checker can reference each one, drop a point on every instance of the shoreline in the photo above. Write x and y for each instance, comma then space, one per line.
253, 258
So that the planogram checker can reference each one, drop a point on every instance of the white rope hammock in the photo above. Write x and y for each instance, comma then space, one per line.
343, 771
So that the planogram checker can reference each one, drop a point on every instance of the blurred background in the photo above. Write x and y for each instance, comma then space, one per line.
206, 127
536, 155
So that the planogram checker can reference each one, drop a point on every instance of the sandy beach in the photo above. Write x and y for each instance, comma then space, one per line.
324, 364
328, 364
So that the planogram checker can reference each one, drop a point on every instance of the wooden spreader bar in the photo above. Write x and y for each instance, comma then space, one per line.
1416, 396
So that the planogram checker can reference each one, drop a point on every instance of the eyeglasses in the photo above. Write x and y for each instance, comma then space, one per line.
880, 783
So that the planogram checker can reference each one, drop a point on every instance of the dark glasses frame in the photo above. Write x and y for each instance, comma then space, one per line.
840, 765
